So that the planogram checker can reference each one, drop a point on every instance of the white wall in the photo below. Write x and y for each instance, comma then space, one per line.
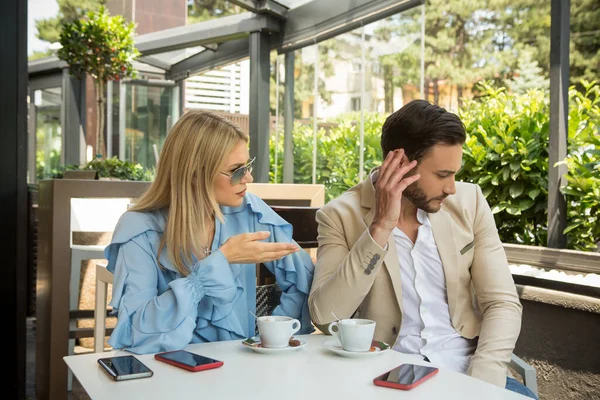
225, 89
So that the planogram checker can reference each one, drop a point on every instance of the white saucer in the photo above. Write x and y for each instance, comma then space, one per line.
376, 349
254, 344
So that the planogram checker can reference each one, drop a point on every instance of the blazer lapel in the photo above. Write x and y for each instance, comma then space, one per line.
367, 200
442, 226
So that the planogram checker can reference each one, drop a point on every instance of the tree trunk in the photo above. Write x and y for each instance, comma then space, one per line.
459, 94
100, 111
388, 88
436, 92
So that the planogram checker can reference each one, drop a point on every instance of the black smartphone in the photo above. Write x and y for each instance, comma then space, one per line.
405, 376
123, 368
188, 360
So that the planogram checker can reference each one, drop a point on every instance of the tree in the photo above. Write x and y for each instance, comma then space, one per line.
103, 47
585, 41
467, 41
528, 75
458, 47
527, 26
68, 11
202, 10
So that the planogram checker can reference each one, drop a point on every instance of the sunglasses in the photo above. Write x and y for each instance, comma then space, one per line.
238, 174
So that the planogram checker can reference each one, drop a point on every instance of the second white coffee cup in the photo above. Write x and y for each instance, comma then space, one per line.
276, 331
353, 334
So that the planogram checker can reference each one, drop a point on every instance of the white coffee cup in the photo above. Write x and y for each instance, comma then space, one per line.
276, 331
353, 334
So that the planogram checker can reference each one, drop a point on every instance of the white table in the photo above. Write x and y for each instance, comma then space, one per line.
312, 372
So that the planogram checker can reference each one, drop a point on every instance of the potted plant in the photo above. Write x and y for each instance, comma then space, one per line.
102, 46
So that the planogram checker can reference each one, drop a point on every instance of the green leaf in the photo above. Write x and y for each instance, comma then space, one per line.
487, 190
515, 165
498, 208
525, 204
513, 210
570, 228
533, 193
484, 179
505, 173
516, 189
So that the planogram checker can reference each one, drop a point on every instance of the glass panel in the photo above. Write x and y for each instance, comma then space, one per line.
200, 11
393, 59
48, 134
148, 118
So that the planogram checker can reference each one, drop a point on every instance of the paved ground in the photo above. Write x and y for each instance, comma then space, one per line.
77, 392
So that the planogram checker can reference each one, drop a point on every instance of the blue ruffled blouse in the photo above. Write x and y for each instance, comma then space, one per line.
160, 310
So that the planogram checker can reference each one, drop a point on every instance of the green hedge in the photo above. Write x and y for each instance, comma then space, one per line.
111, 168
337, 153
506, 153
583, 180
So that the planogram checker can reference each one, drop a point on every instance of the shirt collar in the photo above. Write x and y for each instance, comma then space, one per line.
423, 217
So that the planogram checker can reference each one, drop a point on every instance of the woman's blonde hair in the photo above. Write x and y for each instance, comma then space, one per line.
188, 165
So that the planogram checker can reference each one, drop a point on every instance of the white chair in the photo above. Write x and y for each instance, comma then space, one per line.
103, 278
89, 215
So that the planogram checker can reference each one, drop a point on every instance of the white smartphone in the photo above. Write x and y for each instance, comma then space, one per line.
124, 368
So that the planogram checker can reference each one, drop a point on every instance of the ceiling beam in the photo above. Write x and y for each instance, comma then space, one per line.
317, 21
226, 53
205, 33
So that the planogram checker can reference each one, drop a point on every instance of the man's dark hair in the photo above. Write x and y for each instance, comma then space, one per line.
418, 126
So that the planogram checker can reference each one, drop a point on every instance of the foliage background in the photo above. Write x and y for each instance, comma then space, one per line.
506, 153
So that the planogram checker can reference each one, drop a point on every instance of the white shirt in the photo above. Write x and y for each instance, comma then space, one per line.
426, 328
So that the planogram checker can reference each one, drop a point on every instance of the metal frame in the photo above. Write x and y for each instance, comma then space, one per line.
72, 118
263, 7
13, 189
209, 32
226, 53
259, 104
317, 21
559, 121
288, 119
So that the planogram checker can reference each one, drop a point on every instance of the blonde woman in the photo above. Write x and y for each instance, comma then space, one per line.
184, 257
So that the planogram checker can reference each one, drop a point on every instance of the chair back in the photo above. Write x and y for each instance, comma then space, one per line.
304, 222
267, 298
96, 215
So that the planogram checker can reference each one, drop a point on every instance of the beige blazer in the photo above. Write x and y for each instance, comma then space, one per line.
355, 277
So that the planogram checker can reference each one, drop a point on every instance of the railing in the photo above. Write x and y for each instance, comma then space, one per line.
558, 259
544, 257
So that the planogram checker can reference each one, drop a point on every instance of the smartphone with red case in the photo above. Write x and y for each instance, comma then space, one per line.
188, 360
405, 376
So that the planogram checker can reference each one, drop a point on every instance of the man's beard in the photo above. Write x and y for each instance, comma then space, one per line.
415, 194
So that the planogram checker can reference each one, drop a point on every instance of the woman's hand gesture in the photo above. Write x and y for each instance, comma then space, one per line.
247, 248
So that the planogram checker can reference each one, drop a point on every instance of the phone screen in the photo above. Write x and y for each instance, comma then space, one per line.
125, 367
407, 374
188, 358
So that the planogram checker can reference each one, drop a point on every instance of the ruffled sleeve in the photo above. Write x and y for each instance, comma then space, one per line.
157, 308
293, 273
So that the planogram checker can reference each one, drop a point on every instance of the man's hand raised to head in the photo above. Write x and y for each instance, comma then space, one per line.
389, 187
